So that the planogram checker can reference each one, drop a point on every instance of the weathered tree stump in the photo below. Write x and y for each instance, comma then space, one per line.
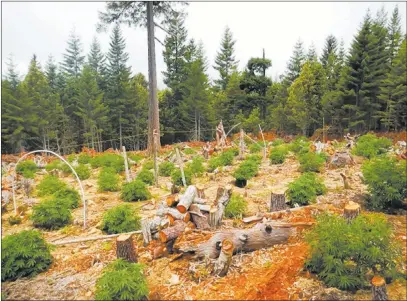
379, 291
125, 248
277, 202
212, 216
198, 218
351, 211
200, 191
186, 199
225, 258
345, 181
172, 232
222, 202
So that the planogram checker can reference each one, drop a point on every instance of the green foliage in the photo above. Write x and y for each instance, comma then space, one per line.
213, 163
27, 168
122, 280
370, 146
55, 164
255, 158
136, 157
189, 151
146, 176
108, 179
108, 160
311, 161
65, 168
84, 158
234, 150
300, 144
386, 180
148, 165
121, 219
255, 148
196, 166
24, 254
277, 142
224, 159
51, 214
14, 220
305, 189
83, 171
177, 177
69, 158
236, 207
68, 196
135, 191
247, 169
278, 154
165, 168
342, 253
49, 185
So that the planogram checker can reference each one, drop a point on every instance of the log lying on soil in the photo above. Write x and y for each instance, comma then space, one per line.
351, 211
151, 226
172, 232
225, 258
263, 235
174, 214
186, 199
379, 291
125, 248
277, 202
256, 218
83, 239
172, 200
198, 218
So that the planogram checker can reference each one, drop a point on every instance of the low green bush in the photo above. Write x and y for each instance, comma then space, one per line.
300, 145
56, 164
148, 165
83, 171
226, 158
255, 148
387, 182
68, 196
24, 254
370, 146
84, 158
234, 151
342, 253
27, 168
146, 176
176, 176
14, 220
136, 157
49, 185
236, 208
277, 142
165, 169
255, 158
108, 160
135, 191
122, 280
65, 168
189, 151
305, 189
213, 163
121, 219
246, 170
311, 161
71, 158
108, 180
196, 166
278, 154
51, 214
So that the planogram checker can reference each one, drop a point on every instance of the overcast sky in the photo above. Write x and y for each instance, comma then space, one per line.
43, 28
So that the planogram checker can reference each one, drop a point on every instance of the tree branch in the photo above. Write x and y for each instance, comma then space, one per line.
159, 41
162, 28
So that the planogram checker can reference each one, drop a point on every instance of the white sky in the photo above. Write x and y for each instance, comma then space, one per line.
43, 28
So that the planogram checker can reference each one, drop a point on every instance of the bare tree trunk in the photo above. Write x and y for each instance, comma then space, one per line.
155, 140
241, 145
153, 116
120, 130
126, 165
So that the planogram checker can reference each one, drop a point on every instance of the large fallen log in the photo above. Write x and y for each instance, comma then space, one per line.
173, 214
186, 199
172, 232
256, 218
263, 235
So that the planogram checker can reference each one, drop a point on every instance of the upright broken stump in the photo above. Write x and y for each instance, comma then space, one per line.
351, 211
200, 191
125, 248
277, 202
225, 258
379, 291
345, 181
222, 202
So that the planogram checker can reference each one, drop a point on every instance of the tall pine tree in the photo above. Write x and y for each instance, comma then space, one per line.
296, 61
73, 58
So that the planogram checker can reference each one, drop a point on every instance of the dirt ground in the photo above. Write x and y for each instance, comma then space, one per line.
276, 273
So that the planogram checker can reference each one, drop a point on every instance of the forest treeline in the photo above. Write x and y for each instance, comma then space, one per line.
94, 100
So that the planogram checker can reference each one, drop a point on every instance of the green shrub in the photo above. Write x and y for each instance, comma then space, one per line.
65, 168
189, 151
305, 189
135, 191
370, 146
122, 280
27, 168
70, 158
56, 164
277, 142
51, 214
386, 180
342, 253
213, 163
108, 160
148, 165
136, 157
196, 166
255, 148
49, 185
299, 145
121, 219
177, 177
70, 197
226, 158
255, 158
165, 169
234, 151
311, 162
84, 158
83, 171
236, 207
14, 220
246, 170
108, 180
24, 254
278, 154
146, 176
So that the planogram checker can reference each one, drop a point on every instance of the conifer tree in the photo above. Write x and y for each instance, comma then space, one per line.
73, 58
51, 73
395, 34
97, 61
312, 53
296, 61
330, 48
12, 75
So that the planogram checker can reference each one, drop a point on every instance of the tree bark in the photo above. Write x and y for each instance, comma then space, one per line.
126, 166
351, 211
125, 248
181, 166
213, 212
222, 202
277, 202
173, 232
200, 220
379, 291
345, 181
225, 258
186, 199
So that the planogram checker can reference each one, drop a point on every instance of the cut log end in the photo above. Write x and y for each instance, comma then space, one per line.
182, 208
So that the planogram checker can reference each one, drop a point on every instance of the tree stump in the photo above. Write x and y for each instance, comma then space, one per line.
379, 291
212, 217
225, 258
222, 202
277, 202
125, 248
198, 218
200, 191
345, 181
351, 211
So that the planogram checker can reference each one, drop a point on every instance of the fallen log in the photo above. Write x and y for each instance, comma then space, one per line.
200, 220
198, 200
186, 199
125, 248
172, 232
172, 200
151, 226
174, 214
256, 218
225, 258
202, 207
83, 239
